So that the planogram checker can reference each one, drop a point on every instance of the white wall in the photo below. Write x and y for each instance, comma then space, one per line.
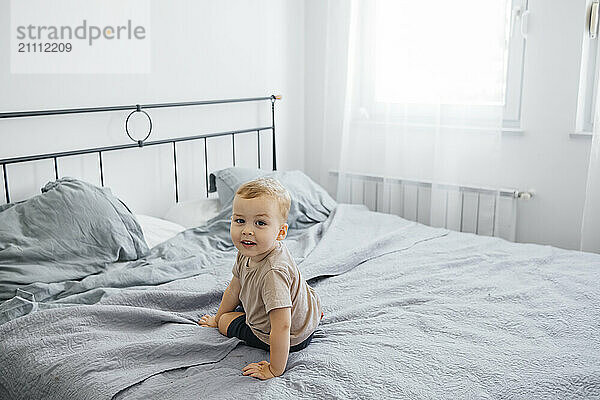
209, 50
200, 50
545, 158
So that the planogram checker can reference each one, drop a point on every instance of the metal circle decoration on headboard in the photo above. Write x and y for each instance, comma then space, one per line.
138, 109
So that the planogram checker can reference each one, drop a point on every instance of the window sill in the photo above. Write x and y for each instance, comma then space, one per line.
517, 131
513, 131
581, 134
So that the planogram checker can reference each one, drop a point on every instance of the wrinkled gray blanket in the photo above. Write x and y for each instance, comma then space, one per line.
71, 230
410, 312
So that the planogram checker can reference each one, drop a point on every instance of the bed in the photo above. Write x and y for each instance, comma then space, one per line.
89, 311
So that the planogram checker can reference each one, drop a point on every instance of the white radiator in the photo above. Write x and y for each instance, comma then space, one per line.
483, 211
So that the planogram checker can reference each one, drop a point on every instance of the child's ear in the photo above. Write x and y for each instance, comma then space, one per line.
282, 232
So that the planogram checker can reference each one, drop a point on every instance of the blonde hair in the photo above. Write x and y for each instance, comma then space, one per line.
267, 187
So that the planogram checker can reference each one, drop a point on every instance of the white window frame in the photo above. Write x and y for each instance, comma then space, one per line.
515, 64
588, 81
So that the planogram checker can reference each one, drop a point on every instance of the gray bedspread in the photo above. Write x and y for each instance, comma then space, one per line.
410, 312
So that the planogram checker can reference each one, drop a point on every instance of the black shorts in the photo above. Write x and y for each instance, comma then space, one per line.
239, 329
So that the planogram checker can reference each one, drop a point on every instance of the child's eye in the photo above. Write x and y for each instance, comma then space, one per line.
261, 223
238, 221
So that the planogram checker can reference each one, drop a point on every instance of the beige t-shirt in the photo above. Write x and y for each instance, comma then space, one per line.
276, 282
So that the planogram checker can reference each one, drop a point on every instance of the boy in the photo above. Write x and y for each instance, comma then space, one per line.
281, 310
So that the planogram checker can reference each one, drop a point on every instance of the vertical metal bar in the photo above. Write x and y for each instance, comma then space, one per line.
233, 147
390, 196
513, 225
101, 169
351, 190
462, 203
376, 195
55, 168
205, 167
402, 185
258, 138
477, 215
175, 167
446, 212
364, 200
273, 125
5, 184
494, 217
417, 219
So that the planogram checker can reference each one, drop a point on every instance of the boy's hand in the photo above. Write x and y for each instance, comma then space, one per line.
208, 321
258, 370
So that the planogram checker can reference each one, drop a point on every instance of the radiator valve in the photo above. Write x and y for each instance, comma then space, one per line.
525, 195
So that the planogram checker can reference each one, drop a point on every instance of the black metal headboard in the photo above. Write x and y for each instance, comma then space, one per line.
141, 143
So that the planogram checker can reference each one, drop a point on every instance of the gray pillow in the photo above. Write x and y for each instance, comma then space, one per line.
310, 202
71, 230
229, 179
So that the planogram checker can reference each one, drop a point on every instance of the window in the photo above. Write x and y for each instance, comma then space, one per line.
454, 53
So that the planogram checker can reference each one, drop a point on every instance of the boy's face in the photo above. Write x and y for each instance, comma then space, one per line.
256, 225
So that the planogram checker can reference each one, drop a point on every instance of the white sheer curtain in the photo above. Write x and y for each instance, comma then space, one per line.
423, 105
590, 224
